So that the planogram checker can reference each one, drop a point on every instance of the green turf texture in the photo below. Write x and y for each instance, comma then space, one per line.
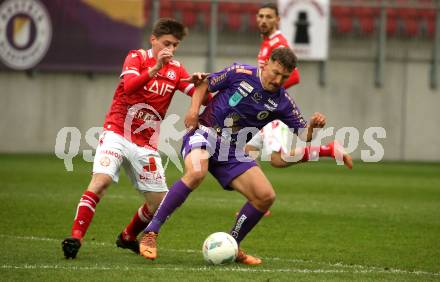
378, 222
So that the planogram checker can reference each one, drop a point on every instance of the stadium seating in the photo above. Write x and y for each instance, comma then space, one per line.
166, 8
366, 17
343, 18
204, 10
232, 15
427, 17
147, 11
251, 10
356, 19
402, 20
187, 12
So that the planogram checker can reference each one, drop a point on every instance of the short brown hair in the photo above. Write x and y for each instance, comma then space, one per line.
165, 26
284, 56
270, 6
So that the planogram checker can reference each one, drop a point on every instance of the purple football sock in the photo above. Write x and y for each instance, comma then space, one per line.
173, 199
248, 217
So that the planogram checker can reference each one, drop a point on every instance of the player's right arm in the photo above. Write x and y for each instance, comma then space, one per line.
192, 116
131, 74
213, 83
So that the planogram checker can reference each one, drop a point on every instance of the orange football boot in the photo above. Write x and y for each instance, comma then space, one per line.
148, 246
243, 258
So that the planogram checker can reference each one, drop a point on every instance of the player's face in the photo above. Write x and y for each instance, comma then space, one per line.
273, 76
267, 21
165, 41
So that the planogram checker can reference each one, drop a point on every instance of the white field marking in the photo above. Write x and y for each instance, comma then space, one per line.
357, 268
141, 198
223, 269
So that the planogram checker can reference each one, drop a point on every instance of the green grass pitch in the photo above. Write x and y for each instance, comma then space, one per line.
379, 221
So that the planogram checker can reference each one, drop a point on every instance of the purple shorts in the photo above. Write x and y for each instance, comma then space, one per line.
226, 161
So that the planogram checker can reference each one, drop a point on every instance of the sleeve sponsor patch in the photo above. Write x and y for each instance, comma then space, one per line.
217, 79
249, 72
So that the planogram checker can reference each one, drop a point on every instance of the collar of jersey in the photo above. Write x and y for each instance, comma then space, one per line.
277, 32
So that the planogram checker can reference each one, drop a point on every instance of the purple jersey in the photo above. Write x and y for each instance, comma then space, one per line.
242, 102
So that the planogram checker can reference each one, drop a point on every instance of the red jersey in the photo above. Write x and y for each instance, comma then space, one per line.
152, 100
276, 40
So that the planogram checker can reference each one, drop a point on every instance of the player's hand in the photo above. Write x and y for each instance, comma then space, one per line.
191, 120
163, 57
196, 78
317, 120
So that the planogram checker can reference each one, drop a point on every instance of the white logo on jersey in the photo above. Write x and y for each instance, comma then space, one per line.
242, 92
133, 55
162, 90
246, 86
272, 102
171, 74
269, 107
264, 52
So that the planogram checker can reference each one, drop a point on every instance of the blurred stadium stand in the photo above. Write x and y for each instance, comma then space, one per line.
405, 18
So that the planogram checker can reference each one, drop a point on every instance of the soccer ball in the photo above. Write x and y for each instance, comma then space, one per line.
220, 248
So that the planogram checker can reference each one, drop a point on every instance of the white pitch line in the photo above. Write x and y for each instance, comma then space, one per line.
356, 267
222, 269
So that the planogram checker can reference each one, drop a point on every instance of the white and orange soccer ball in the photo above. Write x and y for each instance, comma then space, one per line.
220, 248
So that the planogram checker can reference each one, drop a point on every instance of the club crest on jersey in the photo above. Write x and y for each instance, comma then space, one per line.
171, 74
235, 99
262, 115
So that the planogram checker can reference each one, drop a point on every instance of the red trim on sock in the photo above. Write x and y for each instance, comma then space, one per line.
327, 150
137, 224
84, 214
306, 155
92, 195
322, 151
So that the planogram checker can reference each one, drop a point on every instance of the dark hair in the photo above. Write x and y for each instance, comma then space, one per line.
285, 57
270, 6
165, 26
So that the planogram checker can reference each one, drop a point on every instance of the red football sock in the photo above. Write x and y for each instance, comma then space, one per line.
138, 223
311, 152
84, 214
